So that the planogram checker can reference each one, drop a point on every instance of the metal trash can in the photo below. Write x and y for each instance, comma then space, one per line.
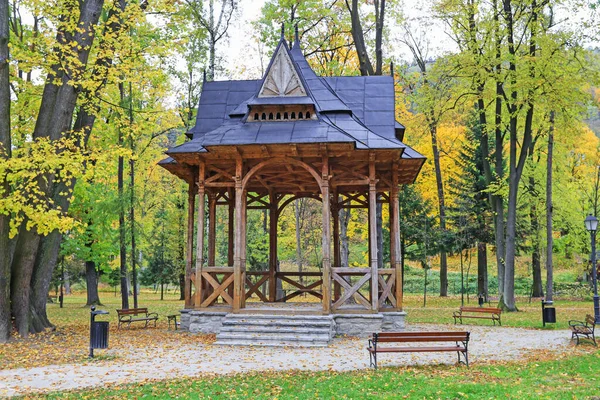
548, 312
98, 331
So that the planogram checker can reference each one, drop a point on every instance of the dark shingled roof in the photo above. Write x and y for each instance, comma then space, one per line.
354, 109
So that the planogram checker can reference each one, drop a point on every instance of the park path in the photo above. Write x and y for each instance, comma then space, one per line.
487, 344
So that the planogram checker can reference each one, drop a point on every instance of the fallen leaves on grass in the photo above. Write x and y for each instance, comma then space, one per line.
70, 345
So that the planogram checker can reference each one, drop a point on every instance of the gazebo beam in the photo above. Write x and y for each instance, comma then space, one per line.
273, 217
336, 241
373, 233
395, 237
326, 236
190, 246
238, 283
231, 226
200, 241
212, 228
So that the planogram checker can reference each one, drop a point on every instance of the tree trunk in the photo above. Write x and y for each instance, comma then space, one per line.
549, 211
442, 208
537, 290
22, 269
516, 159
482, 273
366, 68
91, 280
181, 286
45, 263
131, 200
345, 214
67, 282
5, 153
497, 200
122, 244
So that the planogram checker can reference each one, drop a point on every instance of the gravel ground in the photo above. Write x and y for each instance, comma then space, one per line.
487, 344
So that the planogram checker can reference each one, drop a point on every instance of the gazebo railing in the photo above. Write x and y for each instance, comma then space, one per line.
220, 280
387, 288
312, 288
255, 284
343, 277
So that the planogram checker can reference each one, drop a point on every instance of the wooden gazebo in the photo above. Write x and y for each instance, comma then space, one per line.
260, 144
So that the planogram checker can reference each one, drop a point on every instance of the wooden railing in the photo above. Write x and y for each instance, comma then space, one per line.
313, 288
254, 284
343, 277
220, 279
387, 288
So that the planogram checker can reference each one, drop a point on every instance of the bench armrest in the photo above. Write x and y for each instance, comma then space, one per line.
457, 313
576, 323
125, 318
152, 314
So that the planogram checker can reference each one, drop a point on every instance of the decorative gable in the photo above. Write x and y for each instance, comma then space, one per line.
282, 78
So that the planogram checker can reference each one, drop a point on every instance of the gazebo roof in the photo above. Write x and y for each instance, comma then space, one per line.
358, 110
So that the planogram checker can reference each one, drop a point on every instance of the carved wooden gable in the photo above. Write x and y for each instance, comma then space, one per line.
282, 78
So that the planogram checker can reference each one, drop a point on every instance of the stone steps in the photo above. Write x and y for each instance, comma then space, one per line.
276, 330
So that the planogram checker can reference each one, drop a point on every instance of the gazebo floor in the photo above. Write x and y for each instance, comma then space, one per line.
289, 308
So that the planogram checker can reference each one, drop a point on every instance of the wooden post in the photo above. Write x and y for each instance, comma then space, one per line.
326, 236
212, 225
200, 241
190, 246
230, 221
273, 217
396, 253
243, 250
238, 284
373, 233
336, 242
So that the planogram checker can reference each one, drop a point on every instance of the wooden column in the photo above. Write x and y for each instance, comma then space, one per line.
326, 236
190, 246
230, 221
373, 234
212, 225
396, 254
273, 218
243, 250
336, 242
238, 284
200, 241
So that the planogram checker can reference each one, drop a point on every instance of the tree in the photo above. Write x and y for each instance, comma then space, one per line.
5, 153
215, 25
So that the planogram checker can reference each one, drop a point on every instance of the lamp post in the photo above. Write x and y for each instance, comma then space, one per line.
591, 224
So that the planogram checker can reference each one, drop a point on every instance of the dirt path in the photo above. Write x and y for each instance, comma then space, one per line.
487, 344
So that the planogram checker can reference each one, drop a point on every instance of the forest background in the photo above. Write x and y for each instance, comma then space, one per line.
93, 92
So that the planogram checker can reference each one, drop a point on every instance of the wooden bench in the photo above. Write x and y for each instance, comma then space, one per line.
136, 315
460, 339
480, 312
583, 329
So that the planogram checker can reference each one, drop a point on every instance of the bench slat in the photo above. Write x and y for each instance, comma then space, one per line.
422, 339
403, 334
415, 349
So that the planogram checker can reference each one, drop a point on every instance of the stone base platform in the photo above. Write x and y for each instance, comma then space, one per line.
361, 325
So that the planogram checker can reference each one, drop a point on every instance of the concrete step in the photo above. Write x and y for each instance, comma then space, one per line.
268, 322
276, 330
280, 343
